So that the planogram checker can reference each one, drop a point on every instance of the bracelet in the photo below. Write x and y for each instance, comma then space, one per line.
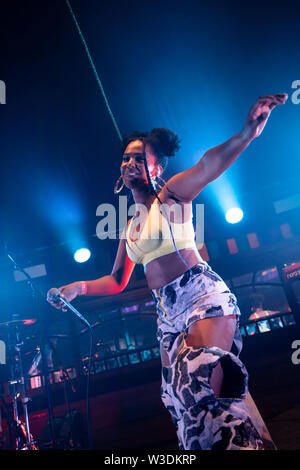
83, 287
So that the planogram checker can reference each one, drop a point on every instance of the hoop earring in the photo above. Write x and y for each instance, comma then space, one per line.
116, 189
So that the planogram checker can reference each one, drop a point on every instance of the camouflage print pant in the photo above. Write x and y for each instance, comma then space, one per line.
203, 421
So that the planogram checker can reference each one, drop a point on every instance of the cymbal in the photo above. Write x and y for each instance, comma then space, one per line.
26, 321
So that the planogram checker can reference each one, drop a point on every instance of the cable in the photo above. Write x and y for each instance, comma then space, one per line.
55, 296
95, 71
88, 411
116, 125
166, 216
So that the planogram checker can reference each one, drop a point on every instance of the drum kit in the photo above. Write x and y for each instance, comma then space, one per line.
16, 434
14, 418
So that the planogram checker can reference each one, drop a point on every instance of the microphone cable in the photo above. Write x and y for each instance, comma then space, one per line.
88, 382
88, 411
57, 296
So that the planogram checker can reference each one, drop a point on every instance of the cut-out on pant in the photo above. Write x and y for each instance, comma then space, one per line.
203, 421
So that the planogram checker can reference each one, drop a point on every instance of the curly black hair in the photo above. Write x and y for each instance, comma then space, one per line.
164, 142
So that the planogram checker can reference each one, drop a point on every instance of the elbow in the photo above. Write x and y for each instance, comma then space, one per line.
208, 170
118, 284
119, 288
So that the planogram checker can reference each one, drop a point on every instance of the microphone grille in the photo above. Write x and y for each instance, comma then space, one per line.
54, 294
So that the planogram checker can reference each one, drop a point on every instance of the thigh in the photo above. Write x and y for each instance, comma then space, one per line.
216, 331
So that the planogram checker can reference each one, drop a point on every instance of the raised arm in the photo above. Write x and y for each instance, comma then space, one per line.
111, 284
185, 186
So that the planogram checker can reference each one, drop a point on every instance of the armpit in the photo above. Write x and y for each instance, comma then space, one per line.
172, 195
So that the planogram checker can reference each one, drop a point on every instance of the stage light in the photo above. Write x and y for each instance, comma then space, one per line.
234, 215
82, 255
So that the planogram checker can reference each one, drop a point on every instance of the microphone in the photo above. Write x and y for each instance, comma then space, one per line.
55, 296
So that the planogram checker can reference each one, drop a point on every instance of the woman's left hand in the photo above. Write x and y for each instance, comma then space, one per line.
260, 112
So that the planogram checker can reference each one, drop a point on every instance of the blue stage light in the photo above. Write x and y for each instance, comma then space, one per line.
234, 215
82, 255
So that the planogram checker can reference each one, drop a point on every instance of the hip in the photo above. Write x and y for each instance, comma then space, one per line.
199, 291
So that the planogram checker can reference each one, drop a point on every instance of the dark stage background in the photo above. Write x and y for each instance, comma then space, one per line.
195, 67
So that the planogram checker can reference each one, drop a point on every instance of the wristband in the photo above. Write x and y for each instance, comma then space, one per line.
83, 287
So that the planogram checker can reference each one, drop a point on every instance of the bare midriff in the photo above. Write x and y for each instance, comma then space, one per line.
167, 268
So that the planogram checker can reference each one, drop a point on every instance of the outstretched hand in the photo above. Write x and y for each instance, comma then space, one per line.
260, 112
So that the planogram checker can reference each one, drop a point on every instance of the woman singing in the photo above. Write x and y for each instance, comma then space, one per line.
204, 383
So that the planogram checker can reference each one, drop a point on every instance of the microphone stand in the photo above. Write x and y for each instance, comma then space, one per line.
39, 296
67, 388
17, 381
58, 296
